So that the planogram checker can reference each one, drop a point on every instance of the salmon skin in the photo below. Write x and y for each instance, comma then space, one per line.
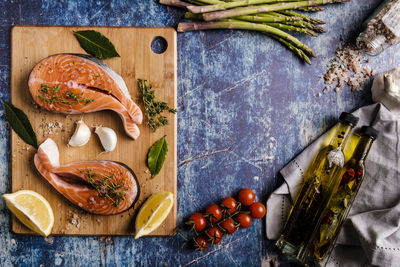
76, 84
101, 187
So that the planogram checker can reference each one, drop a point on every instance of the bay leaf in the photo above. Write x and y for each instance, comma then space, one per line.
156, 156
96, 44
20, 123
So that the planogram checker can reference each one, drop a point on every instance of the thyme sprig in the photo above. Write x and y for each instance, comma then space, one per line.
106, 186
49, 96
152, 108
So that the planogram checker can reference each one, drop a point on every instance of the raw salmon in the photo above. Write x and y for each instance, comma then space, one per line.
75, 84
100, 187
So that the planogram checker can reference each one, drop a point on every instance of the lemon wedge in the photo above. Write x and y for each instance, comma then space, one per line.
32, 209
153, 212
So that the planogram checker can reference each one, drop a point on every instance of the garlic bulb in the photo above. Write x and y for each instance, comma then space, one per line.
81, 135
386, 90
108, 138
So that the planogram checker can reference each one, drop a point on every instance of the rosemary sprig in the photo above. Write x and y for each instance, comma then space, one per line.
106, 186
152, 108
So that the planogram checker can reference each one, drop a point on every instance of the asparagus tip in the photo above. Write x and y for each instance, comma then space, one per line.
318, 29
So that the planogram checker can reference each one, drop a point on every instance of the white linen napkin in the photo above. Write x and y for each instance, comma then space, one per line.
371, 233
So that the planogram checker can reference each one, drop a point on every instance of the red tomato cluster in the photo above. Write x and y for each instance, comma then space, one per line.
225, 218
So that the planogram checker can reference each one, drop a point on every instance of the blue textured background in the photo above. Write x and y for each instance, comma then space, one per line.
246, 107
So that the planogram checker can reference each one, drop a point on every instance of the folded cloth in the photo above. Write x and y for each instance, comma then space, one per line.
371, 233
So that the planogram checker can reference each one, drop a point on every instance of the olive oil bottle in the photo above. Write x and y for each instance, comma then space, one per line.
345, 191
316, 191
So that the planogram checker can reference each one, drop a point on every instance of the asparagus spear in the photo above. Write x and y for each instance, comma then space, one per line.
224, 6
293, 13
297, 26
294, 49
234, 24
263, 19
258, 19
292, 28
264, 8
195, 2
311, 9
210, 2
275, 14
176, 3
305, 24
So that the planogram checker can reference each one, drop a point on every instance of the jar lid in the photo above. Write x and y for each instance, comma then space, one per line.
369, 131
348, 118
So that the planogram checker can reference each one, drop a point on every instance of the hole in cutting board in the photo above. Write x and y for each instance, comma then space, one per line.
159, 45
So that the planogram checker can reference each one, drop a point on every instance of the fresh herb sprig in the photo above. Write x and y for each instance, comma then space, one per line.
106, 186
49, 96
152, 108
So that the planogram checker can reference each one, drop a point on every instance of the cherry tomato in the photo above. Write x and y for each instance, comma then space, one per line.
244, 220
197, 221
200, 243
214, 235
215, 212
246, 196
229, 225
257, 210
230, 204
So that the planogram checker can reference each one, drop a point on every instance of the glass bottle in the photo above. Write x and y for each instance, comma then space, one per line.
336, 211
381, 29
315, 192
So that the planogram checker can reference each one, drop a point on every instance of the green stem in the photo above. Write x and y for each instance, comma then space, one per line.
294, 49
195, 2
296, 14
305, 24
248, 10
311, 9
292, 28
225, 6
234, 24
267, 18
175, 3
210, 2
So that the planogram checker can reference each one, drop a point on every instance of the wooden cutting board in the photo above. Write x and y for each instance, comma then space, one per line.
29, 45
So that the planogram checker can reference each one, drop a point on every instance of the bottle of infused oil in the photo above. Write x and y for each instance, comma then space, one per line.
347, 185
316, 191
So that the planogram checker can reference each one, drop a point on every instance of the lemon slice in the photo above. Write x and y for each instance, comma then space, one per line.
32, 209
153, 212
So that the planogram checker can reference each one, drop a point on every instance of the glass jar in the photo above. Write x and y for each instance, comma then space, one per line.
381, 29
316, 191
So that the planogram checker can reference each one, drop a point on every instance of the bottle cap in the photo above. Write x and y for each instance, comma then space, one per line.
348, 118
369, 131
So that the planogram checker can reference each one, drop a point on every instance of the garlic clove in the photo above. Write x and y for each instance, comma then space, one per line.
81, 135
108, 138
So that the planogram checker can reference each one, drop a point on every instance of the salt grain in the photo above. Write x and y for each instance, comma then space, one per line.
347, 68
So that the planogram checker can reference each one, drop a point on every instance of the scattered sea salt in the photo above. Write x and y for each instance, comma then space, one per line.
347, 68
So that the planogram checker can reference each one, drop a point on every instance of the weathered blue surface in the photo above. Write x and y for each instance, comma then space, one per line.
246, 107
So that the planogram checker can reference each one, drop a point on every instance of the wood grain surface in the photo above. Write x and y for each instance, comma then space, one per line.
32, 43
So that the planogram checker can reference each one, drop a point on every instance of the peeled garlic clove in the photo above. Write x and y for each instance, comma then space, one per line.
108, 138
81, 135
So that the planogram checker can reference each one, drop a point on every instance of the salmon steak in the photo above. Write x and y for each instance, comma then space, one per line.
76, 84
100, 187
